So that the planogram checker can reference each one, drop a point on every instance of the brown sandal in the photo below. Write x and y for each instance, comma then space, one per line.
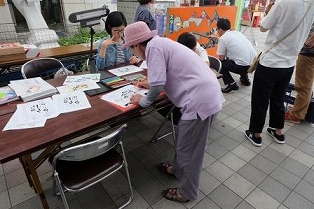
164, 167
172, 194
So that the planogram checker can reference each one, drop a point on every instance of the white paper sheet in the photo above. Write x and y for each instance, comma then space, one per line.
77, 79
84, 86
122, 95
143, 65
70, 102
32, 114
121, 71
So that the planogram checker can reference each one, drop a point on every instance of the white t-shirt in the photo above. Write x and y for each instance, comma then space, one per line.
283, 17
235, 46
200, 51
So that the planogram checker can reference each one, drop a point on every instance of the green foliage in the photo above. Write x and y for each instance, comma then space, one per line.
83, 36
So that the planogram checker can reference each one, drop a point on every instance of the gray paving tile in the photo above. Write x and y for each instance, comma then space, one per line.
236, 135
94, 197
208, 183
299, 134
239, 185
15, 178
275, 189
1, 169
273, 155
132, 142
292, 141
214, 134
208, 160
263, 164
309, 177
216, 150
294, 167
285, 177
21, 193
219, 171
307, 149
244, 153
232, 161
227, 142
3, 186
224, 197
11, 166
303, 158
260, 200
206, 203
244, 205
296, 201
306, 190
252, 174
151, 191
4, 200
222, 127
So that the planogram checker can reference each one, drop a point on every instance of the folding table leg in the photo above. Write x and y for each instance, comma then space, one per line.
32, 176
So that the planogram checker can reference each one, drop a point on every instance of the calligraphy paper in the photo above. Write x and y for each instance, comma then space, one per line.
84, 86
121, 97
70, 102
125, 70
77, 79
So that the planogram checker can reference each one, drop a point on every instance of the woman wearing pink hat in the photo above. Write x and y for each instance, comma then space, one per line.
192, 87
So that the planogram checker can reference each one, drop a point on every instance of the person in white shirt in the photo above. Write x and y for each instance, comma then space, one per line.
189, 40
236, 53
275, 68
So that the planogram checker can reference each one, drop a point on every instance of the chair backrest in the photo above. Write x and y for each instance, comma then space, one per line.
90, 149
215, 63
46, 68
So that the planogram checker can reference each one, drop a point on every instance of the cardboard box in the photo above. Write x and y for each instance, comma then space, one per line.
8, 48
31, 50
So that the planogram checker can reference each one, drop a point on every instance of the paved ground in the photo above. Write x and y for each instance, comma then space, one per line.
235, 173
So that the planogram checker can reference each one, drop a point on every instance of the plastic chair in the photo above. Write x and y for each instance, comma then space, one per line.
81, 166
46, 68
215, 63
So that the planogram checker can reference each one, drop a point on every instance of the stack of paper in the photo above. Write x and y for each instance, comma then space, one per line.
7, 95
32, 88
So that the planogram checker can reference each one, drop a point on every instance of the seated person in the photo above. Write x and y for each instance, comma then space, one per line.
110, 52
236, 54
189, 40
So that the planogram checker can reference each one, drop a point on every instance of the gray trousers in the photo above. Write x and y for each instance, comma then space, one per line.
190, 143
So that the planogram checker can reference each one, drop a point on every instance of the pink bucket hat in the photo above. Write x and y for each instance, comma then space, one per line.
136, 33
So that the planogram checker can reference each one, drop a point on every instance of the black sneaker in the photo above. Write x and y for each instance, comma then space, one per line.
230, 87
255, 141
245, 82
280, 139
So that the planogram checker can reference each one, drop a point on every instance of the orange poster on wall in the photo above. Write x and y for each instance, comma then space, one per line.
201, 21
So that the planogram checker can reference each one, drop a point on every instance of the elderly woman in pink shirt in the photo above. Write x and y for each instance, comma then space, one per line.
192, 87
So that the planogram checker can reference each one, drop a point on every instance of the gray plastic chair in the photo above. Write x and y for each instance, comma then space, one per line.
215, 63
46, 68
81, 166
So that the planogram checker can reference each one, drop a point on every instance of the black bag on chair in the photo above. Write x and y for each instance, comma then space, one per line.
309, 117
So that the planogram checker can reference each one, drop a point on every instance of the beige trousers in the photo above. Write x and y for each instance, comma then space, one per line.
304, 77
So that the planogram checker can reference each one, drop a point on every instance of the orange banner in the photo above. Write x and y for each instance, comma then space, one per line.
201, 21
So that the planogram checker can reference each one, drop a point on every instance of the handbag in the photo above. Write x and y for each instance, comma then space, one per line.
255, 62
257, 58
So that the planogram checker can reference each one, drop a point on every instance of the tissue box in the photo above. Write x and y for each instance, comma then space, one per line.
31, 50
